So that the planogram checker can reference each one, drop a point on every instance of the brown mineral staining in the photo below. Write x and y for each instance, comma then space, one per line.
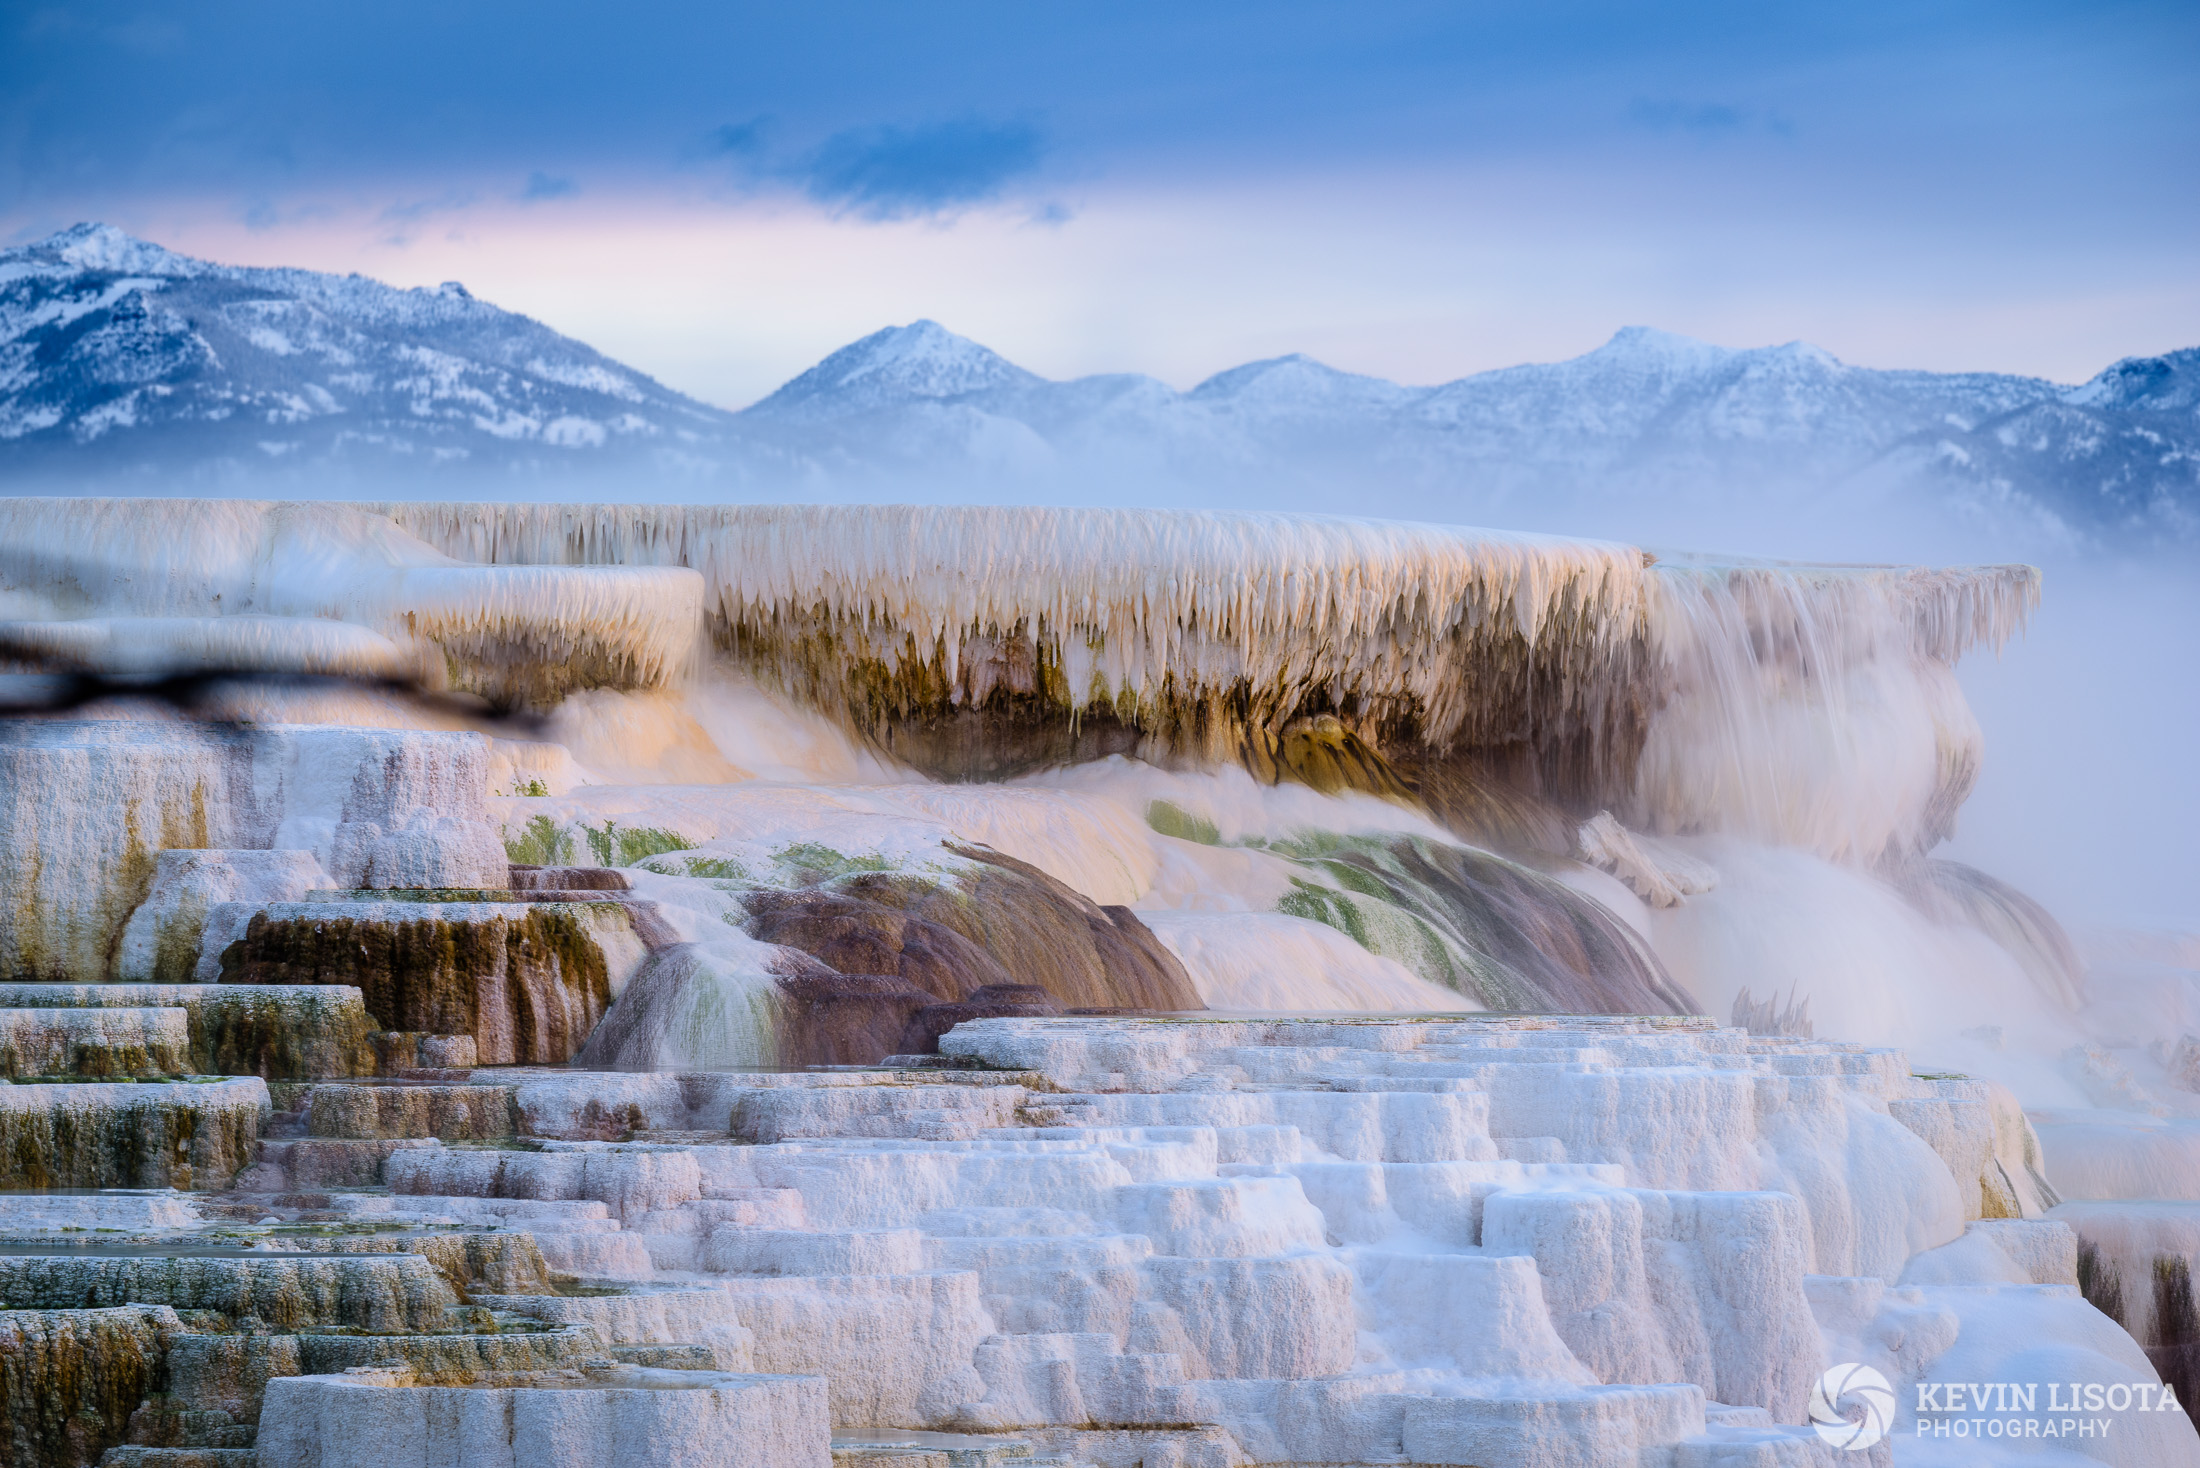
470, 1260
526, 981
284, 1033
128, 1136
302, 1035
376, 1292
448, 1113
997, 922
568, 879
70, 1378
994, 1001
847, 1019
93, 1042
452, 1359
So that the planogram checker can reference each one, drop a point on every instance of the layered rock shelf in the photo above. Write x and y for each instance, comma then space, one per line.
1305, 1049
94, 1042
274, 1032
182, 1134
604, 1412
528, 981
87, 808
1088, 1240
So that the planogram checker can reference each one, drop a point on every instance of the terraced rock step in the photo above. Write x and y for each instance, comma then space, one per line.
527, 980
94, 1042
1098, 1242
448, 1113
115, 1211
402, 1053
274, 1032
70, 1377
606, 1412
472, 1259
287, 1163
378, 1292
99, 818
343, 1135
1175, 1227
935, 1450
106, 1135
588, 879
186, 1379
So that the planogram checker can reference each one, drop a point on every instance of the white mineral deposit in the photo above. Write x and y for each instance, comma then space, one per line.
902, 987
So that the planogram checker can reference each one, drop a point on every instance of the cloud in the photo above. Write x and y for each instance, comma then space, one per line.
1704, 119
417, 209
405, 219
265, 213
883, 172
542, 185
903, 172
738, 139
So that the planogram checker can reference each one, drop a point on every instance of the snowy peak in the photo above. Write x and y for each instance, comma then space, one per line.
1299, 383
2166, 384
923, 360
118, 357
1647, 348
101, 248
123, 361
1645, 352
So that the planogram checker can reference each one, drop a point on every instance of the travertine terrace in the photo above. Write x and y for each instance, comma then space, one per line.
1424, 998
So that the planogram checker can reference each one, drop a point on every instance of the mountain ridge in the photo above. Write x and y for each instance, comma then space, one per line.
101, 334
124, 363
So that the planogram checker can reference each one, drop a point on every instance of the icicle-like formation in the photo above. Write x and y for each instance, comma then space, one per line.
297, 569
1157, 616
1811, 705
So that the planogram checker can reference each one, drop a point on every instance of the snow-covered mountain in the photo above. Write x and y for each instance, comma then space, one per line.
1646, 425
921, 363
121, 360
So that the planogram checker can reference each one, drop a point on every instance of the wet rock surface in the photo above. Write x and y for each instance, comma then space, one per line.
1000, 926
274, 1032
527, 982
99, 1135
1104, 1240
87, 807
1514, 937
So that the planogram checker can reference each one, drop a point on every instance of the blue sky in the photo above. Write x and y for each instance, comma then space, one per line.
721, 193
